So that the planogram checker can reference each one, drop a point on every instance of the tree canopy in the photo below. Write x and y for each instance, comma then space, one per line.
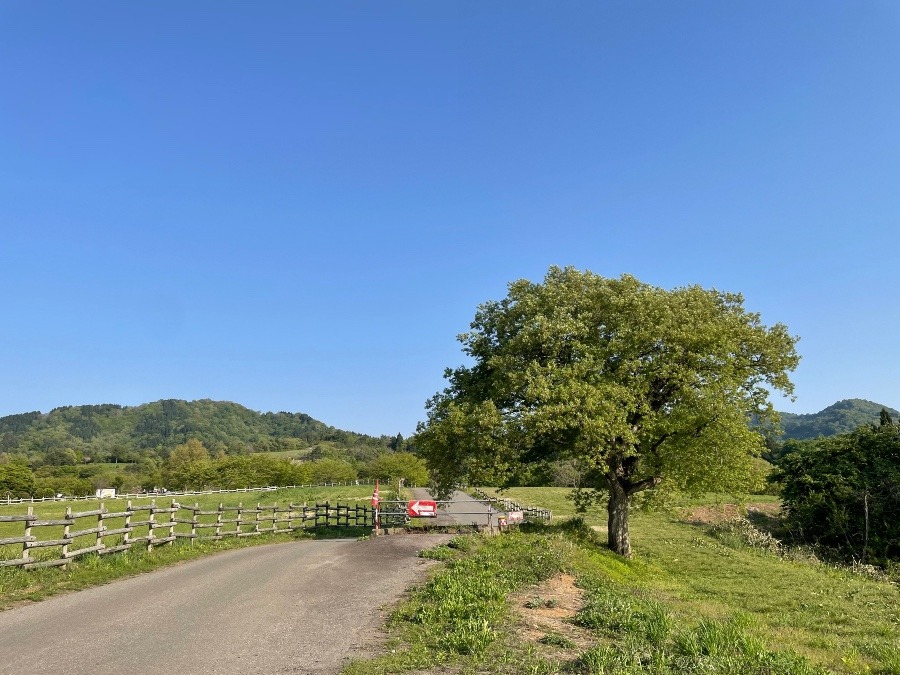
638, 383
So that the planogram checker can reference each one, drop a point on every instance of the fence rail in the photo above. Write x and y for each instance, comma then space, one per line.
103, 532
530, 512
186, 493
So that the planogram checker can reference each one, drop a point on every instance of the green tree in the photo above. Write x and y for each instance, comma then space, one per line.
642, 384
16, 480
331, 471
395, 465
186, 465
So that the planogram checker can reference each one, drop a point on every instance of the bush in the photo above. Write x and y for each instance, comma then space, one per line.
844, 493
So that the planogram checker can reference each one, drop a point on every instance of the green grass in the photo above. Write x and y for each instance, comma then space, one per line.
842, 620
460, 613
691, 600
461, 619
837, 618
560, 502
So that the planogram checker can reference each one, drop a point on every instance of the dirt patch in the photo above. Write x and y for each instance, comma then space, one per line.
719, 513
767, 509
546, 612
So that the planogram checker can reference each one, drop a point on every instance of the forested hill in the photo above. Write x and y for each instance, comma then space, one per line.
839, 418
112, 432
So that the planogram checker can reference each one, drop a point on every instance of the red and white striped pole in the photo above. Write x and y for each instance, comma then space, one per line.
375, 500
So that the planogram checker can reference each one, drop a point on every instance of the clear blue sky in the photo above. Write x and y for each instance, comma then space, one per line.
298, 205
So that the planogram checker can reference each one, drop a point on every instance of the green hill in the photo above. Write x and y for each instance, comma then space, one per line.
840, 418
115, 433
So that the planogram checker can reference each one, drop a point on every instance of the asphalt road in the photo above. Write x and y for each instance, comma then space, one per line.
463, 509
300, 608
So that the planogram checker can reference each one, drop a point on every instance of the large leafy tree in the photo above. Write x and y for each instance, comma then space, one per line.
640, 384
16, 480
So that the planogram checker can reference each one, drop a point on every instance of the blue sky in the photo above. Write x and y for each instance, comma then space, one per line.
298, 206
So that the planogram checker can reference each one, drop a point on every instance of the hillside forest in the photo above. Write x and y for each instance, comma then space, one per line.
177, 444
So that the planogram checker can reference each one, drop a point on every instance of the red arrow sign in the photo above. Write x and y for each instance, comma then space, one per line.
422, 509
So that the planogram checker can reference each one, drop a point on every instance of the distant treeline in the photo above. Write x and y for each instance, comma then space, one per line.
75, 449
839, 418
115, 433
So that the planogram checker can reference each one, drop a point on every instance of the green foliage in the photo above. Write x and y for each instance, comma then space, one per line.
16, 480
331, 471
639, 384
186, 466
844, 492
397, 465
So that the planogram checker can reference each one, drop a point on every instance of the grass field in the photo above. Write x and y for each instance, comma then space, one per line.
695, 598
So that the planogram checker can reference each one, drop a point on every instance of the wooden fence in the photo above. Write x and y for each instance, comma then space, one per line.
103, 532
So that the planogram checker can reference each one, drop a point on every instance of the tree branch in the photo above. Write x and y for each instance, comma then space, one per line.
653, 481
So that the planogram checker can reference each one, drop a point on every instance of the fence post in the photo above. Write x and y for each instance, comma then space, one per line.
194, 521
128, 513
100, 527
240, 511
219, 522
150, 519
66, 530
27, 533
172, 520
256, 525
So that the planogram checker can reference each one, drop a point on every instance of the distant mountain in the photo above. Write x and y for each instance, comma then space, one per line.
839, 418
111, 432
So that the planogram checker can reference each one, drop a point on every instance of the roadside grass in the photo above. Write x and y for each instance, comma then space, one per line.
836, 617
691, 601
461, 619
458, 615
18, 585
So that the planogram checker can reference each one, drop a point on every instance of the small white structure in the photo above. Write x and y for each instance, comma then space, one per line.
106, 493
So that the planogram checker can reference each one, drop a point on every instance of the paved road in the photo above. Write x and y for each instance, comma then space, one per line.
298, 608
463, 509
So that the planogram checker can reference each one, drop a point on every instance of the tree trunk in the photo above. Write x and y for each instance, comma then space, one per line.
617, 525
